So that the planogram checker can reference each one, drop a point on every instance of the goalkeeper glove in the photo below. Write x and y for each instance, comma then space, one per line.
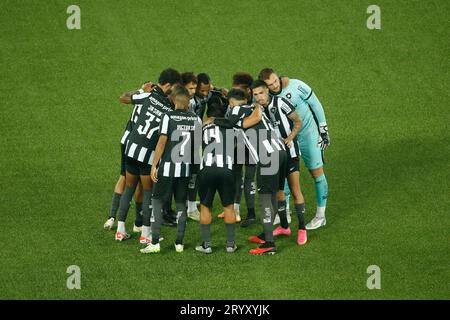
324, 137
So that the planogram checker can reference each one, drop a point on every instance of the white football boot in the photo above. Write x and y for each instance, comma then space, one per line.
204, 250
179, 247
109, 224
316, 223
151, 248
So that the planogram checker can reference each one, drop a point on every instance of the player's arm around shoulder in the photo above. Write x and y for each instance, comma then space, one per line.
159, 150
254, 117
232, 120
131, 96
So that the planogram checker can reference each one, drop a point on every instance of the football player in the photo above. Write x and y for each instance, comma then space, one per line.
243, 81
189, 81
171, 165
313, 137
140, 146
268, 152
287, 124
120, 184
203, 94
216, 175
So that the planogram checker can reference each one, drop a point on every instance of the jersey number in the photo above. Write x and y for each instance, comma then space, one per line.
186, 137
144, 130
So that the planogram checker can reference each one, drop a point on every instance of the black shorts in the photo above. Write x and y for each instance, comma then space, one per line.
293, 165
122, 160
212, 179
137, 168
271, 180
165, 186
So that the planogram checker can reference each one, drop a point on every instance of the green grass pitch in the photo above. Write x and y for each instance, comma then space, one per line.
386, 97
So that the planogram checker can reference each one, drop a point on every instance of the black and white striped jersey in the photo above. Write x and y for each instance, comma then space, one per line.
183, 131
218, 147
278, 111
261, 139
142, 140
133, 119
198, 104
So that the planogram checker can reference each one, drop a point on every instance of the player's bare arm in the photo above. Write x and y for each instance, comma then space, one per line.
296, 129
253, 118
126, 97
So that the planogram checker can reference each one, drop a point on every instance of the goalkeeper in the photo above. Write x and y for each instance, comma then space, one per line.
313, 136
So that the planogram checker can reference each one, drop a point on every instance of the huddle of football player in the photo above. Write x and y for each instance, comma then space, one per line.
186, 139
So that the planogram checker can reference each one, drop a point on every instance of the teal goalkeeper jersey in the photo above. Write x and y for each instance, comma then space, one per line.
299, 93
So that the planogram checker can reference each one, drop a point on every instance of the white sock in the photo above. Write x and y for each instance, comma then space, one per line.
146, 231
191, 206
320, 213
121, 227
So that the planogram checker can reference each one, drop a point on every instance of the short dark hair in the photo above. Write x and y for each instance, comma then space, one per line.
265, 73
188, 77
257, 84
237, 94
203, 78
216, 107
242, 79
170, 76
181, 95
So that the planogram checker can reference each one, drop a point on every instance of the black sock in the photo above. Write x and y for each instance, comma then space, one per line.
192, 188
274, 205
125, 200
181, 225
269, 244
249, 187
139, 214
239, 183
300, 210
282, 214
114, 204
230, 234
156, 225
251, 213
267, 214
147, 208
205, 230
